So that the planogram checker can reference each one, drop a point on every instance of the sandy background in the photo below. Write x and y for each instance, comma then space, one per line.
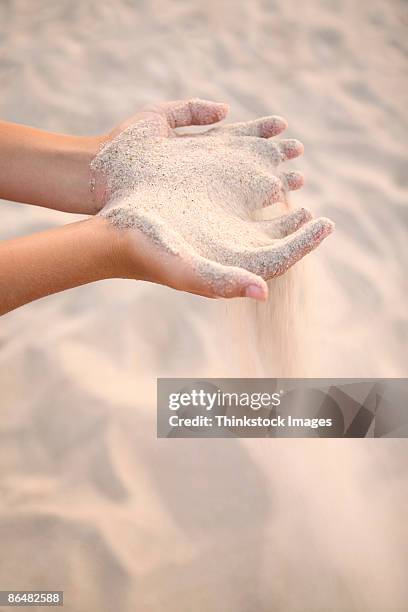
91, 502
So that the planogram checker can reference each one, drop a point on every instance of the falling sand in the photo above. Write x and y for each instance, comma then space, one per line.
197, 196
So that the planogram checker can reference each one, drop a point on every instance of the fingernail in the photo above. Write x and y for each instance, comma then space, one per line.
222, 108
294, 180
255, 292
280, 122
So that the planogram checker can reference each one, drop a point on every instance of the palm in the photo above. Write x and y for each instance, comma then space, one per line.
195, 195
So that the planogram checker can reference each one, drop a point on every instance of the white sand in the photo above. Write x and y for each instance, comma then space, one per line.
196, 196
91, 501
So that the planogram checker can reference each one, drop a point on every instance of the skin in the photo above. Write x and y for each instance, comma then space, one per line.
195, 195
45, 169
52, 170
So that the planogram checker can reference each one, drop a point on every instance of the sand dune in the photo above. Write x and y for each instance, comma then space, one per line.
91, 501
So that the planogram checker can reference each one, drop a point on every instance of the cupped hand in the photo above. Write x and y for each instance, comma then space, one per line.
186, 203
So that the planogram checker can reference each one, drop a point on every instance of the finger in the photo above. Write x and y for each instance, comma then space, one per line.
270, 189
290, 148
265, 127
292, 180
276, 151
212, 279
282, 226
180, 113
264, 189
270, 262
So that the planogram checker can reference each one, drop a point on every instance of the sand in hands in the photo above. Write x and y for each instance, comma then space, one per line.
196, 195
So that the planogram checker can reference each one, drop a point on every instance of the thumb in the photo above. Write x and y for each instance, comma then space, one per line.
213, 279
180, 113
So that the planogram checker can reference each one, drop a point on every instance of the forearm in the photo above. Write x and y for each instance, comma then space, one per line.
47, 169
48, 262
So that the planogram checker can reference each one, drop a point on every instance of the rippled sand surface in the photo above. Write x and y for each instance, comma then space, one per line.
91, 501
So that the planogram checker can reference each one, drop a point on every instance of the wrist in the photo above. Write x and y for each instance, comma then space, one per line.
96, 180
71, 183
87, 191
111, 248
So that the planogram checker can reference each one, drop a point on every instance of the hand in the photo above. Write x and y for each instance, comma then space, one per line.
185, 203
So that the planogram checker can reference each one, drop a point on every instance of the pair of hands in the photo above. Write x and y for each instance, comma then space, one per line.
177, 209
219, 179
